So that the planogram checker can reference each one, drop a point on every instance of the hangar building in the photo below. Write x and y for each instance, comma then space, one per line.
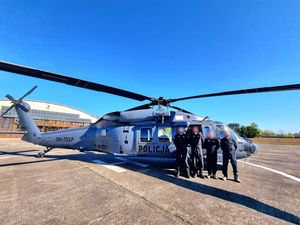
48, 116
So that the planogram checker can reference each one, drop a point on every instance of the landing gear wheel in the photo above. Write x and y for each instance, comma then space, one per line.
40, 155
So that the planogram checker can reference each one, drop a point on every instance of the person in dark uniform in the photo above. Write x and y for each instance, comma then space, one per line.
211, 144
181, 143
196, 141
229, 146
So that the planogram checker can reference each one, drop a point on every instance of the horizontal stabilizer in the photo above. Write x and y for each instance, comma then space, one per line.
13, 132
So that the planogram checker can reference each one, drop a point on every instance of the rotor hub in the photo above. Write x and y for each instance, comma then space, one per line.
161, 101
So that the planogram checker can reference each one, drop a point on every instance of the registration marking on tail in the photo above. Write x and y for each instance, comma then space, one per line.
111, 166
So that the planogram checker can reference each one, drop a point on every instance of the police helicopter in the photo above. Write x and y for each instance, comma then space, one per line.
142, 133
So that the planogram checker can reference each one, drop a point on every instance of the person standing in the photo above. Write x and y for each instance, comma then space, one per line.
196, 141
181, 143
229, 146
211, 144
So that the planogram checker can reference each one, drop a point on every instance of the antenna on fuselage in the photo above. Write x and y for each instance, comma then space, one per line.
205, 118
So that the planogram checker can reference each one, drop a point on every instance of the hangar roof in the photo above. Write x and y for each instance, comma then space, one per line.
53, 110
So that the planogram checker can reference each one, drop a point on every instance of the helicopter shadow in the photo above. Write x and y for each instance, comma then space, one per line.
168, 176
246, 201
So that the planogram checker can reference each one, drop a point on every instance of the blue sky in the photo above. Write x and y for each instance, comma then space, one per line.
160, 48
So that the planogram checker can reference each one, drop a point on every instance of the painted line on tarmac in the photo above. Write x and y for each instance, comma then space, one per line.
6, 146
132, 162
112, 166
8, 156
273, 170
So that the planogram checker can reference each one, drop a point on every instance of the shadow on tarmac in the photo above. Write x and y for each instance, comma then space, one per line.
167, 175
243, 200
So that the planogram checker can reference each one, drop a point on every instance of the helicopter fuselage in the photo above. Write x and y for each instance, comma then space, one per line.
140, 133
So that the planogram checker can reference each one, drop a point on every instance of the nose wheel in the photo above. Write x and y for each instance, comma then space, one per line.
41, 154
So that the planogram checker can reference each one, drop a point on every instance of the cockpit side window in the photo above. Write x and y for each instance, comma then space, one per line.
220, 131
146, 135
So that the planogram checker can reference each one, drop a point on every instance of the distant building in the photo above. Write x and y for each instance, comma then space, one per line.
48, 116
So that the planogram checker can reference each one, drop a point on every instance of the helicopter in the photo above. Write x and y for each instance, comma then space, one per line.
143, 133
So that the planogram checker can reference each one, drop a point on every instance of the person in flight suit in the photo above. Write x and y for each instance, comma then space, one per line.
211, 144
181, 143
196, 141
229, 146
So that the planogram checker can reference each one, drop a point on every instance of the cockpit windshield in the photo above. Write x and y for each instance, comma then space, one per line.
220, 132
236, 134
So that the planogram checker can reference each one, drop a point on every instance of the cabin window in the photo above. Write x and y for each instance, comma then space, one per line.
165, 134
103, 133
146, 135
206, 131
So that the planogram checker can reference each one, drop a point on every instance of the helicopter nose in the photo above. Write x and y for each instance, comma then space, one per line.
255, 148
250, 148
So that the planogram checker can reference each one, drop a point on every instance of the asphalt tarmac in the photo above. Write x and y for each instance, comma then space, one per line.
70, 187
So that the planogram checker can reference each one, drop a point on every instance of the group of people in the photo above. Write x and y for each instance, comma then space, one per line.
192, 165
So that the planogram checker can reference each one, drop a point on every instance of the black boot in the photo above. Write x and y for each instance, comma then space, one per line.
236, 179
188, 174
193, 174
200, 174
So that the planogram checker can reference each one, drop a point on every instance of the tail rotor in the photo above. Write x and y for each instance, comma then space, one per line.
18, 102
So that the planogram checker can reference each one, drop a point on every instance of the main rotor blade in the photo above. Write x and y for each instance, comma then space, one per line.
146, 106
7, 110
244, 91
28, 93
180, 109
18, 69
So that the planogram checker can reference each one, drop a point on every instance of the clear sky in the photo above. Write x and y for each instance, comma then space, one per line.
160, 48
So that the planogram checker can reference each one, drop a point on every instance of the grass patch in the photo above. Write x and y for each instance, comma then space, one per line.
277, 141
